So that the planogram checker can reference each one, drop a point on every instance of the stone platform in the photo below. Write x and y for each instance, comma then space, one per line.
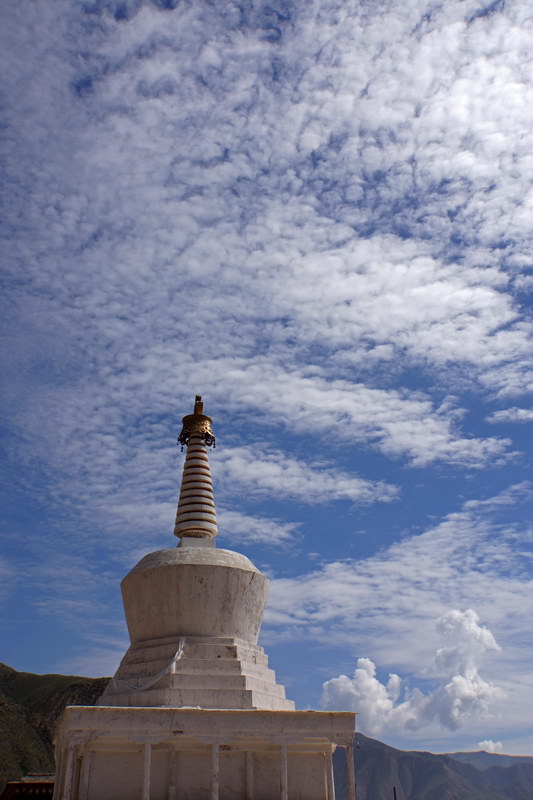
199, 671
110, 753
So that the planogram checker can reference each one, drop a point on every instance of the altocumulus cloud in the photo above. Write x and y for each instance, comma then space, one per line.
512, 415
266, 472
459, 558
353, 173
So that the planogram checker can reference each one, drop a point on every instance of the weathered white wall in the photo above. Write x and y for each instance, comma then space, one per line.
115, 775
113, 742
194, 591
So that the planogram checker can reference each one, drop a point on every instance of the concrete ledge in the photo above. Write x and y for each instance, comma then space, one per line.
229, 724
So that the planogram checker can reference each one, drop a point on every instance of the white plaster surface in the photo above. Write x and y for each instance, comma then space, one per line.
248, 746
205, 672
194, 615
194, 591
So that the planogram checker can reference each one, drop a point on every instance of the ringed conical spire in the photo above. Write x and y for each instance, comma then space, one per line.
196, 516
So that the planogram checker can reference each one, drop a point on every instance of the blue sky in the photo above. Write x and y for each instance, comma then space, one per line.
318, 216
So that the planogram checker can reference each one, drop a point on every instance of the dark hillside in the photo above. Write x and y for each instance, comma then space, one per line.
47, 695
23, 748
30, 707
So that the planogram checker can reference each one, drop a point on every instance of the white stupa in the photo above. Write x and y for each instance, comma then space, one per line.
193, 711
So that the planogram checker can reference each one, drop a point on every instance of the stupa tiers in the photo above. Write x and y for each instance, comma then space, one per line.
194, 712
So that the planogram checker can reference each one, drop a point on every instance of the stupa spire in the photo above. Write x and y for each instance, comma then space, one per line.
196, 516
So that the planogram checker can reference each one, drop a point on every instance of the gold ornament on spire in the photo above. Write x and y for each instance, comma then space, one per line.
197, 423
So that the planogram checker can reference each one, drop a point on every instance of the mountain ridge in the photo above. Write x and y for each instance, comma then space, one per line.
483, 759
420, 775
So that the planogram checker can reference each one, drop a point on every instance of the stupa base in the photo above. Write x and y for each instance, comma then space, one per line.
113, 753
196, 671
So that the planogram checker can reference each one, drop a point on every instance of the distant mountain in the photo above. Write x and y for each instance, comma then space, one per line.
481, 759
30, 707
426, 776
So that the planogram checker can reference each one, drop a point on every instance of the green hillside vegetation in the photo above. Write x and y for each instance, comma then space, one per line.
23, 748
30, 707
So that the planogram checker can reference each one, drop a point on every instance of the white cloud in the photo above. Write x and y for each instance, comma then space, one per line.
247, 529
320, 219
123, 475
462, 694
511, 415
384, 608
399, 423
490, 747
261, 204
386, 293
270, 472
476, 557
284, 236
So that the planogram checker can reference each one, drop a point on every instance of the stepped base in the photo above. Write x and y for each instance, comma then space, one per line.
114, 753
198, 672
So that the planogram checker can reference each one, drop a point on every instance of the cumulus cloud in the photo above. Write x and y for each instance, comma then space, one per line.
461, 695
490, 747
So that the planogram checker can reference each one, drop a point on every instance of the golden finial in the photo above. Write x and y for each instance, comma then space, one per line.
197, 423
198, 405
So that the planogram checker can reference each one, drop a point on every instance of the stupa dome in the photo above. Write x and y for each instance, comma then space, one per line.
194, 591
